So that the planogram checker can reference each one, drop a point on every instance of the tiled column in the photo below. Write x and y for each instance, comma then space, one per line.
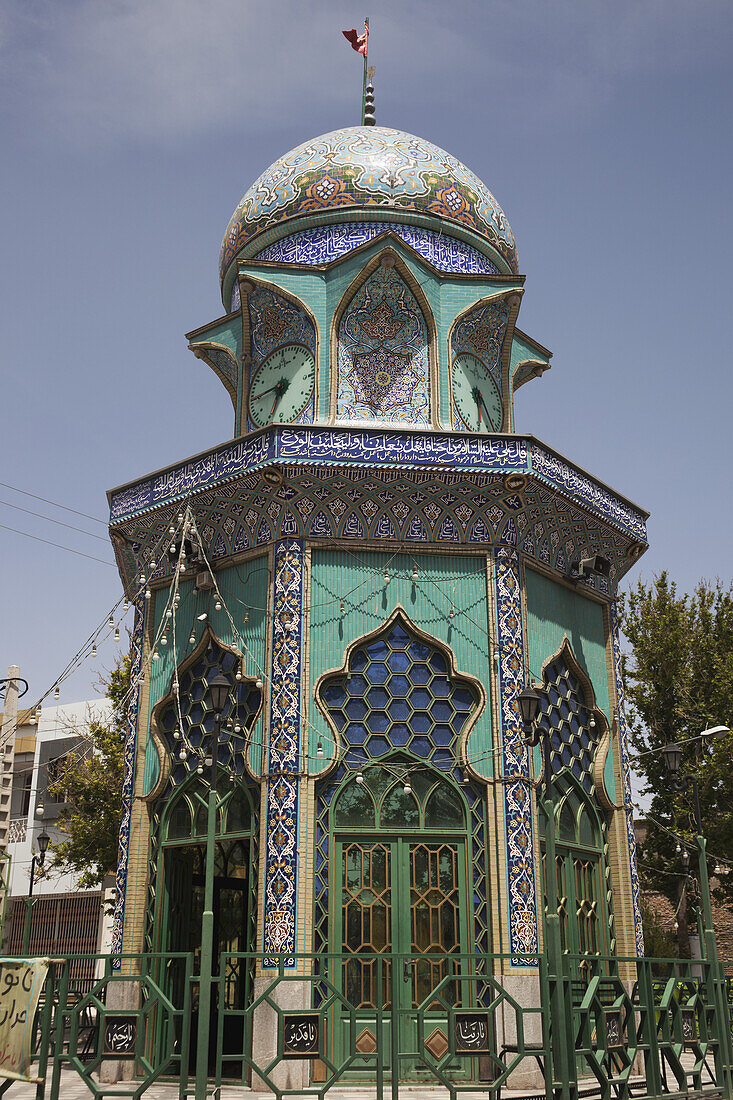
521, 889
626, 772
283, 753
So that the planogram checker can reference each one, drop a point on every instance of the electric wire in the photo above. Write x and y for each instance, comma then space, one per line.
58, 522
54, 503
56, 545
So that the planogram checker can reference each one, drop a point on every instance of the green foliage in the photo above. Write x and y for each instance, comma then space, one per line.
678, 682
91, 783
659, 940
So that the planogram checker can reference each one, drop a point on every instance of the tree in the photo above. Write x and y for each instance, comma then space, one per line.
678, 682
91, 783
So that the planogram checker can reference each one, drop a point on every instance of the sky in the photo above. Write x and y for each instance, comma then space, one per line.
129, 130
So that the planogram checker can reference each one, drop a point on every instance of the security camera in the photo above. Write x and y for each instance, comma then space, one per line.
596, 565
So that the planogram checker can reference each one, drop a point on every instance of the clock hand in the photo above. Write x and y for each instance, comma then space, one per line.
476, 395
488, 418
264, 393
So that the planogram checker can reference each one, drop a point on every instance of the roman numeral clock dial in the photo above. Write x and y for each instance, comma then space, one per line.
476, 395
282, 385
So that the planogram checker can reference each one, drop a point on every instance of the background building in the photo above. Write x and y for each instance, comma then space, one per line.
65, 919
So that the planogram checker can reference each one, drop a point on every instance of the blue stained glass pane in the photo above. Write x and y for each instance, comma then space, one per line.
378, 650
339, 719
585, 739
208, 722
441, 711
442, 759
398, 661
357, 685
458, 721
358, 661
398, 685
168, 719
197, 691
564, 708
421, 747
196, 713
356, 708
378, 721
421, 722
377, 697
334, 695
418, 651
419, 674
574, 723
420, 698
442, 735
553, 694
199, 669
399, 733
226, 661
399, 710
398, 637
356, 733
462, 698
377, 673
194, 737
378, 746
440, 687
437, 662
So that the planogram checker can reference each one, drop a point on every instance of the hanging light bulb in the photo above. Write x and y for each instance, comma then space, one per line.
464, 775
168, 613
238, 673
156, 655
451, 613
207, 761
183, 755
125, 606
143, 578
40, 809
258, 682
237, 728
231, 778
386, 577
678, 849
319, 749
180, 517
111, 620
174, 689
176, 734
592, 723
407, 788
676, 926
341, 607
414, 574
182, 567
94, 649
200, 769
202, 617
153, 565
56, 692
192, 639
148, 593
718, 869
171, 530
117, 634
164, 639
360, 776
217, 605
246, 615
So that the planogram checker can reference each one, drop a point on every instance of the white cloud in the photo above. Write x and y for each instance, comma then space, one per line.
166, 70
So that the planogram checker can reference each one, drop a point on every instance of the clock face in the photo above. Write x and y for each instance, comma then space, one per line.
476, 396
282, 385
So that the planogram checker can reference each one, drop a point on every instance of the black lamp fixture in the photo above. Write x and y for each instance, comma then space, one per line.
529, 705
672, 754
43, 842
219, 689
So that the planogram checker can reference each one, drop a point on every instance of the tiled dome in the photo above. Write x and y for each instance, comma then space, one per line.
362, 167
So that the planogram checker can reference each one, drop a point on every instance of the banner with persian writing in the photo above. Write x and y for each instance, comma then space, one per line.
21, 982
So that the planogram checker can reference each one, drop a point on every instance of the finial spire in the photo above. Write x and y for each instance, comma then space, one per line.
368, 118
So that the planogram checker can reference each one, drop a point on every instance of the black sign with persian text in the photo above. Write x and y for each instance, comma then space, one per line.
471, 1032
119, 1032
301, 1035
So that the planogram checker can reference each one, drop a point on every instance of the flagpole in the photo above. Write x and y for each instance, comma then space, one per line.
364, 85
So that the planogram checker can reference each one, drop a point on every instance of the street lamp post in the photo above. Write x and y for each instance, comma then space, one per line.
219, 689
672, 754
36, 861
563, 1060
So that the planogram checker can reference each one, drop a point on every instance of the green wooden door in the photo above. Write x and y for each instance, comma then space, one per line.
406, 898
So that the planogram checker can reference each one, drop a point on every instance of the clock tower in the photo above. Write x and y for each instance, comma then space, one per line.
378, 563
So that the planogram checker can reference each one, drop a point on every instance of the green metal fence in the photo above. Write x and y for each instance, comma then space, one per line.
468, 1024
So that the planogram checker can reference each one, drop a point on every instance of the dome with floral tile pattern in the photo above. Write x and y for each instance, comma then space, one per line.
396, 175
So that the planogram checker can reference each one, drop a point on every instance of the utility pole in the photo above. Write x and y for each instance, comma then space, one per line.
7, 743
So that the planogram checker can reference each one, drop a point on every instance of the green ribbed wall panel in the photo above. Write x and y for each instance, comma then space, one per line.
242, 587
358, 580
553, 610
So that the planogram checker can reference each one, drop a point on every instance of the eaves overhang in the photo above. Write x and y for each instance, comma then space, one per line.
497, 487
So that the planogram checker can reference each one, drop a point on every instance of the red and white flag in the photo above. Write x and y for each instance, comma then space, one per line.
359, 42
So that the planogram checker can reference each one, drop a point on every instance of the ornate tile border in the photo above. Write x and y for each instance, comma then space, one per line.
626, 771
283, 764
515, 757
128, 779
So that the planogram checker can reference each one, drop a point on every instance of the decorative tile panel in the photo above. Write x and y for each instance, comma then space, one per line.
368, 167
515, 757
383, 354
128, 777
283, 760
481, 333
325, 243
626, 773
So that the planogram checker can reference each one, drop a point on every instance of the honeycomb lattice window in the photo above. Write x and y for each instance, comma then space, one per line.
241, 710
566, 716
395, 701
